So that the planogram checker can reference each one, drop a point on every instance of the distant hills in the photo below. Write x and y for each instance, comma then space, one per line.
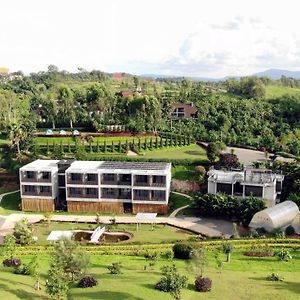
277, 73
271, 73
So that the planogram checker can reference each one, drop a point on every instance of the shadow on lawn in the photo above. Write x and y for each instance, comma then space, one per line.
196, 153
21, 294
104, 295
284, 285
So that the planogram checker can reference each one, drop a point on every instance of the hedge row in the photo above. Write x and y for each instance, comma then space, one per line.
141, 250
139, 145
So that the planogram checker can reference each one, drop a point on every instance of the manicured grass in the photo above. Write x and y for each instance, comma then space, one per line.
144, 234
193, 151
242, 278
276, 91
10, 204
184, 173
177, 201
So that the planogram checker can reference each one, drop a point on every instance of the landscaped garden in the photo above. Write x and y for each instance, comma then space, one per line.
143, 234
242, 278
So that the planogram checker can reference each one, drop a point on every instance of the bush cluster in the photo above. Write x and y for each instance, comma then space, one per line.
221, 205
203, 284
115, 268
12, 262
182, 250
87, 281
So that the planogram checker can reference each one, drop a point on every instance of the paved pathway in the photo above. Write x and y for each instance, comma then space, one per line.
8, 193
196, 225
192, 224
176, 211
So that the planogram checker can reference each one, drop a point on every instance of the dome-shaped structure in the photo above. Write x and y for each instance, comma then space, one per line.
296, 223
274, 217
49, 131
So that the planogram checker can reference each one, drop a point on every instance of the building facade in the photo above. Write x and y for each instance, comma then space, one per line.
259, 183
183, 111
96, 186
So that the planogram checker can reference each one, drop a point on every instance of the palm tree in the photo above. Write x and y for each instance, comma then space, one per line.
17, 133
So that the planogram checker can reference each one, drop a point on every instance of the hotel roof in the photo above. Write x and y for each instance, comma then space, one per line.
41, 164
153, 166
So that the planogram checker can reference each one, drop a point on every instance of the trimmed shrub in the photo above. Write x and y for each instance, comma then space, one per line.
203, 284
290, 230
87, 281
12, 262
284, 255
115, 268
274, 277
182, 251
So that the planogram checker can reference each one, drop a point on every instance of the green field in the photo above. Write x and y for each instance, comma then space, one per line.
276, 91
193, 152
242, 278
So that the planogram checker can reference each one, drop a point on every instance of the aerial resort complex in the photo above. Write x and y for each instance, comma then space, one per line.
95, 186
147, 151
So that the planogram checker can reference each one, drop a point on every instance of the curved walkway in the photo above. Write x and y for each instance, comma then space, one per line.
177, 210
8, 193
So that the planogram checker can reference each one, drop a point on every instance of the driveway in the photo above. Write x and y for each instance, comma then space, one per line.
246, 156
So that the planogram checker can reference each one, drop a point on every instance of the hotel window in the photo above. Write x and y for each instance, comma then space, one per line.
108, 177
45, 189
91, 177
29, 188
46, 175
76, 177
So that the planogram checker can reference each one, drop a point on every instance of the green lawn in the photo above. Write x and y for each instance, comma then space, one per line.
184, 173
193, 151
276, 91
177, 201
144, 234
242, 278
10, 204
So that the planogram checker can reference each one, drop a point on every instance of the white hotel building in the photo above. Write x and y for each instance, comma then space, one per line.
257, 182
95, 186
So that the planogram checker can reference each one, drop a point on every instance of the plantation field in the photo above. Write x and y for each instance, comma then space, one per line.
242, 278
276, 91
144, 234
66, 140
192, 151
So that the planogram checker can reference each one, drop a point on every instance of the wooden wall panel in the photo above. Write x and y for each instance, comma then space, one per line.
104, 207
29, 204
150, 208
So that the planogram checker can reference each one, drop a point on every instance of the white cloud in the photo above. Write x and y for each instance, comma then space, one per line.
190, 37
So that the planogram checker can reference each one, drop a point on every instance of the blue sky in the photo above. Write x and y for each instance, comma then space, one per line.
188, 37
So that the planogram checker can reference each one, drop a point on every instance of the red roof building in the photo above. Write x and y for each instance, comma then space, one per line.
183, 110
117, 76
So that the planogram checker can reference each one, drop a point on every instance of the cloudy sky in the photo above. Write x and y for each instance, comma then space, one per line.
180, 37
